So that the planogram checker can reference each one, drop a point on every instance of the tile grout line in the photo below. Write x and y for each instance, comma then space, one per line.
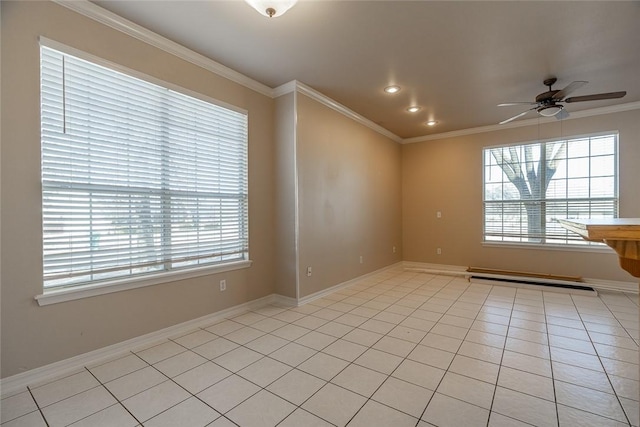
403, 359
83, 369
179, 385
293, 368
109, 391
152, 365
624, 412
553, 380
351, 362
37, 406
618, 320
327, 381
372, 317
223, 415
453, 358
495, 390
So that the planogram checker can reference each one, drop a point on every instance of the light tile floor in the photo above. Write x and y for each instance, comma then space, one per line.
396, 349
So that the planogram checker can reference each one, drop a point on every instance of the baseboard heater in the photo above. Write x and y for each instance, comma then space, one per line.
545, 282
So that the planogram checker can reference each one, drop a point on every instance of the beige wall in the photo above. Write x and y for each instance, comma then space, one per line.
33, 336
349, 197
446, 175
353, 191
286, 196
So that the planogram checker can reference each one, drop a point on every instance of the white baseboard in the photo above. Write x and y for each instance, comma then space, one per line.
456, 270
324, 292
612, 285
19, 382
284, 301
443, 269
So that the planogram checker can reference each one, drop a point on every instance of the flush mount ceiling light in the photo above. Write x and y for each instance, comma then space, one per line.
413, 109
272, 8
431, 123
392, 89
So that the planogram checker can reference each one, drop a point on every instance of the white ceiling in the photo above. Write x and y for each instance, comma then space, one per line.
456, 59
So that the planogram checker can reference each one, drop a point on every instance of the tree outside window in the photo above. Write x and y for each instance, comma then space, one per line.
528, 186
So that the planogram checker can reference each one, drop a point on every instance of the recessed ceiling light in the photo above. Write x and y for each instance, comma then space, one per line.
392, 89
431, 123
413, 109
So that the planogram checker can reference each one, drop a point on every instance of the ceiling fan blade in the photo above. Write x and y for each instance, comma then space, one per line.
596, 97
562, 114
510, 104
571, 87
515, 117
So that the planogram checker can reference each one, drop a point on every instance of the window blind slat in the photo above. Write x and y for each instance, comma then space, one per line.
519, 205
136, 178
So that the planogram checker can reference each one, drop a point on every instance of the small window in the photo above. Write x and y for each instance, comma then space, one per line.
137, 179
527, 187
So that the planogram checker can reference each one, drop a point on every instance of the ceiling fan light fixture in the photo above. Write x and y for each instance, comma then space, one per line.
272, 8
550, 111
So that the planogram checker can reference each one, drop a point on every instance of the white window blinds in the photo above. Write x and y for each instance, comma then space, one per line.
136, 178
527, 187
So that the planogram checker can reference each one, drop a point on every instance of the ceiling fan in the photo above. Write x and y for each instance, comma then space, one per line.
548, 103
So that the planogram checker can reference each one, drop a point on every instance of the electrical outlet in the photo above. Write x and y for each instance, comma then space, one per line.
223, 285
438, 214
308, 271
394, 249
361, 259
439, 251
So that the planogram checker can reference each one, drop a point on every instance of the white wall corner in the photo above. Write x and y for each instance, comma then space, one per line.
317, 295
285, 301
284, 89
325, 100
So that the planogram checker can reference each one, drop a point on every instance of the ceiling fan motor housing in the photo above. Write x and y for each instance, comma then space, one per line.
546, 97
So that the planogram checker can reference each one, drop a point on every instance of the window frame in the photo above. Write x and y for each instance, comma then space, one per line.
51, 295
576, 246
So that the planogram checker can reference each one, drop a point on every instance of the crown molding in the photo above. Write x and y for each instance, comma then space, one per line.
286, 88
522, 123
95, 12
132, 29
334, 105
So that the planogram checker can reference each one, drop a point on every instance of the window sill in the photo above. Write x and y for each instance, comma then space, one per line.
564, 248
87, 291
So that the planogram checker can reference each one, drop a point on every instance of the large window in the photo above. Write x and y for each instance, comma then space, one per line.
136, 178
528, 186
